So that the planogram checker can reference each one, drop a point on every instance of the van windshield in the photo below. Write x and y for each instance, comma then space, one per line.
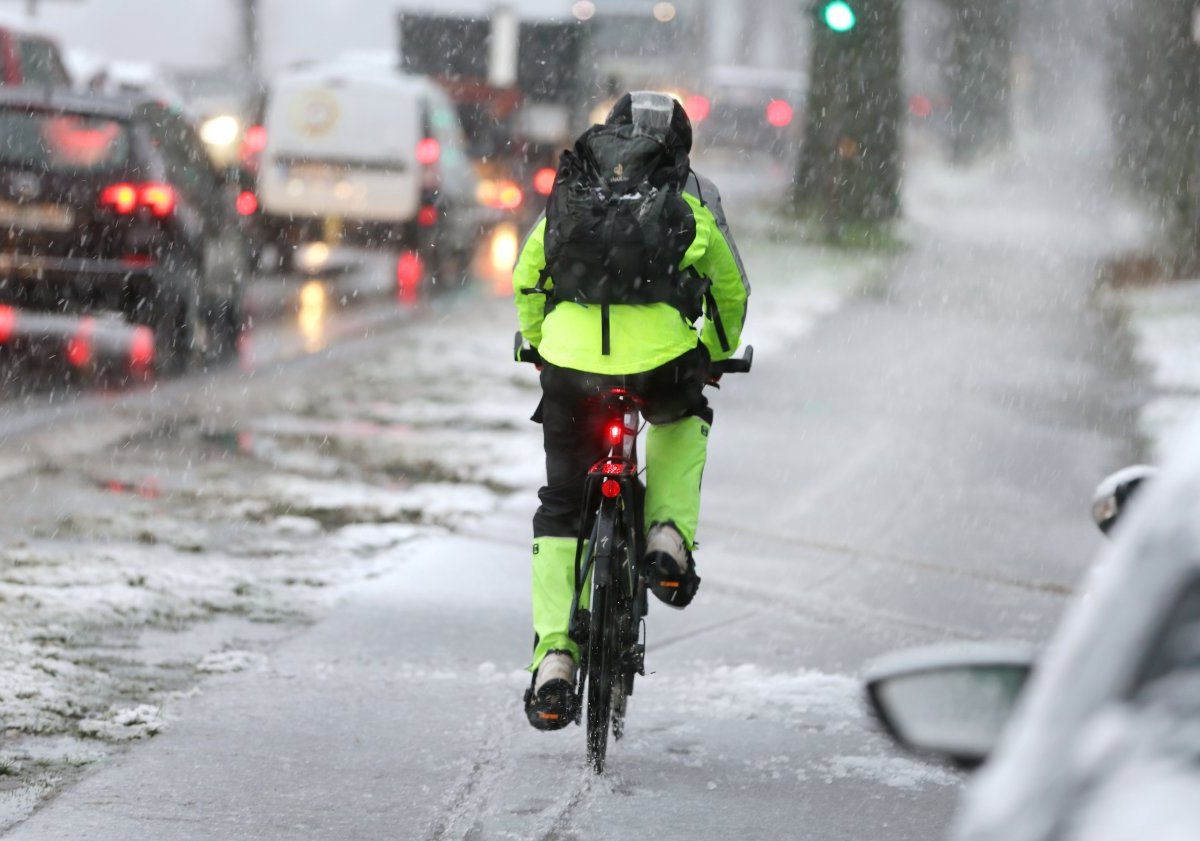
62, 141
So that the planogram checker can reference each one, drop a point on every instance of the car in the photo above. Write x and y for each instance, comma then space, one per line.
744, 110
112, 205
1101, 741
368, 155
27, 59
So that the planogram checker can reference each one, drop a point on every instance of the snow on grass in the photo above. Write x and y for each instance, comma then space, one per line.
125, 724
18, 804
227, 662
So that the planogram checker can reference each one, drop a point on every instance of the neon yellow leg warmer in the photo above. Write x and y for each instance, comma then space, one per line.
675, 456
553, 589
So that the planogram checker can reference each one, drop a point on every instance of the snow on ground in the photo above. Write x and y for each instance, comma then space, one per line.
141, 569
1165, 322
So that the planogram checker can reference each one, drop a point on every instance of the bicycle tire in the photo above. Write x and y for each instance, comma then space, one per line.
599, 706
603, 643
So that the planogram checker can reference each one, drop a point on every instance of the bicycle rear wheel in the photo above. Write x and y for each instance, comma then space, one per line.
600, 673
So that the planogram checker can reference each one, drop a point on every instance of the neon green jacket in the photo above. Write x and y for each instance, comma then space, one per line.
643, 336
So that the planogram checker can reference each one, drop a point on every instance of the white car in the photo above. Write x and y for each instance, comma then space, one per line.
1103, 744
373, 154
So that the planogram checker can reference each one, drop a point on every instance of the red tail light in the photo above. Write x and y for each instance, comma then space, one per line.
779, 113
254, 141
543, 180
124, 198
79, 348
427, 216
141, 349
615, 432
8, 324
697, 108
160, 198
428, 151
247, 203
611, 488
410, 268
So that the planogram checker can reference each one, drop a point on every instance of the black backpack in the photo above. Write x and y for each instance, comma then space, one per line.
617, 225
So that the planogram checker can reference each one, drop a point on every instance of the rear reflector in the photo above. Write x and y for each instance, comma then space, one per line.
427, 216
611, 488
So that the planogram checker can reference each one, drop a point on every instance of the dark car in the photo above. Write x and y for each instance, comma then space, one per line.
112, 204
30, 60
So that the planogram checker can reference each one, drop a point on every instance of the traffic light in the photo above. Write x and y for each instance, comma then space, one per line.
839, 16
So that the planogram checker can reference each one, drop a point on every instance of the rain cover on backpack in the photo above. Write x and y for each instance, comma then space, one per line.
617, 225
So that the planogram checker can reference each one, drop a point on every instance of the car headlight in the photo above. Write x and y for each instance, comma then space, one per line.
222, 130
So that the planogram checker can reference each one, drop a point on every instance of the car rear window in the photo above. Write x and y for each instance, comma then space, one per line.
62, 141
40, 64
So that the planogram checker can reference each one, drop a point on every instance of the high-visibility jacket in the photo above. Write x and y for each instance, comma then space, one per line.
641, 336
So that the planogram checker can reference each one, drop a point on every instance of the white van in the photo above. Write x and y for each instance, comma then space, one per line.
368, 151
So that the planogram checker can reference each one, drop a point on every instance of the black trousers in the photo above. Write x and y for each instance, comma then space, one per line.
572, 426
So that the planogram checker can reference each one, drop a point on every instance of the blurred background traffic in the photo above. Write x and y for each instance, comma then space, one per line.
170, 174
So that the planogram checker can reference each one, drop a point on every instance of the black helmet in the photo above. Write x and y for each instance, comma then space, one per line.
656, 115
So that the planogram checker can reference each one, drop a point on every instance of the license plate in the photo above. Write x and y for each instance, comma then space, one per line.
36, 217
312, 171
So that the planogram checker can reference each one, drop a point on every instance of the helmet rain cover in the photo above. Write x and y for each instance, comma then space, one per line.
652, 113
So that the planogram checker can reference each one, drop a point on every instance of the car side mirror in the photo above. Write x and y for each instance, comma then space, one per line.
949, 701
1114, 493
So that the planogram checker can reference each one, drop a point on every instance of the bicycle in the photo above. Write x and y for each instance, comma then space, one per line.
611, 630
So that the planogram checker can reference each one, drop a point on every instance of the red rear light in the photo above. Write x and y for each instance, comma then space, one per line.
254, 141
126, 198
543, 180
615, 433
409, 271
141, 349
611, 488
160, 198
79, 348
122, 198
8, 324
779, 113
427, 216
247, 203
697, 108
428, 151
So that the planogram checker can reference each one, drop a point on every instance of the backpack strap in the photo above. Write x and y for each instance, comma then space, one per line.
715, 315
605, 337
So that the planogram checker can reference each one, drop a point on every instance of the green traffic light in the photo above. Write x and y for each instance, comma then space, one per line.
839, 16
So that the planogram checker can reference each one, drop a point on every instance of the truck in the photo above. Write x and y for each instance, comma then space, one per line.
519, 88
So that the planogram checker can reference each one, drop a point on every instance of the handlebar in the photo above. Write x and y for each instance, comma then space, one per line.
740, 365
734, 366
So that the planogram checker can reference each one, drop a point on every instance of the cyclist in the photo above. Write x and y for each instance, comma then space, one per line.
654, 351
